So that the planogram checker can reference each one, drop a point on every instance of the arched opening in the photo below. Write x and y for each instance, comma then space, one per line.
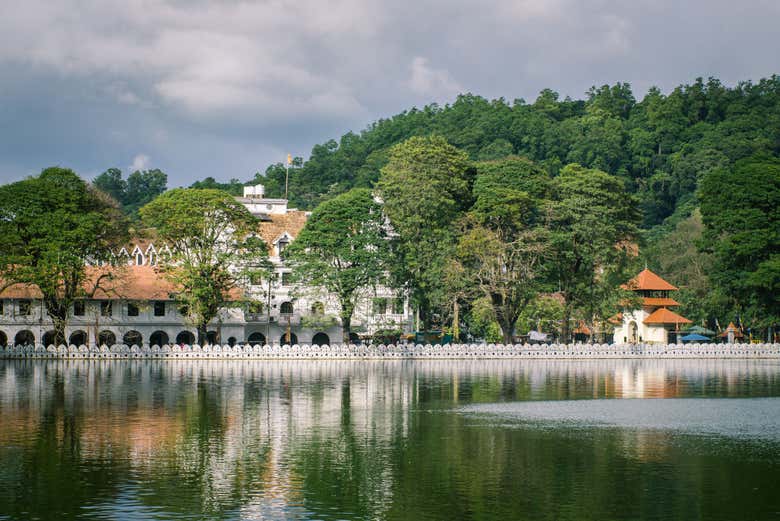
3, 339
49, 338
318, 308
185, 338
212, 337
78, 338
291, 339
256, 339
158, 338
232, 341
24, 337
106, 338
133, 338
321, 339
632, 332
286, 308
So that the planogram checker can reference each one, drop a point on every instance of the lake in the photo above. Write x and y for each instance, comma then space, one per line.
401, 439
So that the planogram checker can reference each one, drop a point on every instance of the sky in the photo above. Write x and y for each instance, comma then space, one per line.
224, 88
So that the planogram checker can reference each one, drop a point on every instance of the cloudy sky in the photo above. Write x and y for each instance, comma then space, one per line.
224, 88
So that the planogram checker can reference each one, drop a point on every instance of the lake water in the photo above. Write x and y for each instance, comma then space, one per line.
437, 439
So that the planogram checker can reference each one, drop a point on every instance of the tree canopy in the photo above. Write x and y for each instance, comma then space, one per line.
53, 226
344, 249
740, 208
214, 248
424, 187
141, 187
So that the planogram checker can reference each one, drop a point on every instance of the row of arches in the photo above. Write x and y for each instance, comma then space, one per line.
258, 338
105, 337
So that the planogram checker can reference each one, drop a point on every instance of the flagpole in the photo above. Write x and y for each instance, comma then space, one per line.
287, 174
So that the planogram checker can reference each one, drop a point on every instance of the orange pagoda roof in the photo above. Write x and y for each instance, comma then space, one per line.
664, 316
734, 329
647, 280
659, 302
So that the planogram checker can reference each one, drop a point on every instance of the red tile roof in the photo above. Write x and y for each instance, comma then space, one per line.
647, 280
658, 302
125, 283
664, 316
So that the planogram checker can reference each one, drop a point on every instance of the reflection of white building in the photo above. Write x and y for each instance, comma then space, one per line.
138, 305
651, 321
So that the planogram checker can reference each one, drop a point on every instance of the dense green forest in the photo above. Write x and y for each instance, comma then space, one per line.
699, 163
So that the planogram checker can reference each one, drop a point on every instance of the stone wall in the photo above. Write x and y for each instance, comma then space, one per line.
410, 351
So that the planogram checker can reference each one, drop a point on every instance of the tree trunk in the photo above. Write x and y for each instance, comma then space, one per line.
58, 312
202, 334
346, 321
506, 316
565, 331
455, 322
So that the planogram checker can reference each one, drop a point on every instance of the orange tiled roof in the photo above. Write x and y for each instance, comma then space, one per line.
735, 329
616, 319
291, 222
647, 280
582, 329
658, 301
664, 316
126, 283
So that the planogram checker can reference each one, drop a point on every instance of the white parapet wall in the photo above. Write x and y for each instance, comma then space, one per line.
401, 351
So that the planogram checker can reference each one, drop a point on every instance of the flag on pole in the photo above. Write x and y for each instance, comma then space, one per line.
289, 159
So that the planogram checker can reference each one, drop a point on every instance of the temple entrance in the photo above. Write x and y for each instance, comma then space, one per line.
632, 332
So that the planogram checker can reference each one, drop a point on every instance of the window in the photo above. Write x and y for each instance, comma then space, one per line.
132, 309
398, 306
287, 308
79, 308
286, 278
25, 306
139, 259
380, 306
159, 308
106, 308
318, 308
282, 244
152, 259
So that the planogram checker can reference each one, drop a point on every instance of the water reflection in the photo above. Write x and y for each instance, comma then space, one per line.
358, 440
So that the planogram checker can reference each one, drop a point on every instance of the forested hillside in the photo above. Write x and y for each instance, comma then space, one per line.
700, 164
660, 145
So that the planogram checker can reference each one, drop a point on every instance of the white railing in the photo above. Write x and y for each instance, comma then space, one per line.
401, 351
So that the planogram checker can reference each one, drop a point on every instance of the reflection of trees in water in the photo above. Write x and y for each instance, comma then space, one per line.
372, 439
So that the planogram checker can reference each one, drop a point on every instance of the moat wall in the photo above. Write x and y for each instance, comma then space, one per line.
401, 351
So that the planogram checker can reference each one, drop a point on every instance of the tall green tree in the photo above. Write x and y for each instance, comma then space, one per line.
140, 187
111, 182
593, 225
503, 242
207, 232
424, 187
740, 208
53, 226
343, 249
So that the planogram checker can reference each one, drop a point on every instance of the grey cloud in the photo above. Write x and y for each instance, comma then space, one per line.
225, 88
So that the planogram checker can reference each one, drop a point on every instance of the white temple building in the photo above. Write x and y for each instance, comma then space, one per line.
139, 306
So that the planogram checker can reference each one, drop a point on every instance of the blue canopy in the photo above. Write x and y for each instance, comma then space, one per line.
692, 337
